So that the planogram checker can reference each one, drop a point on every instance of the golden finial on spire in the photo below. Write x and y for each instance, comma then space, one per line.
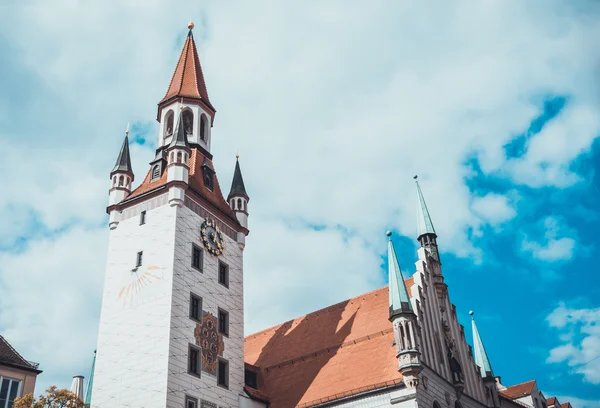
191, 25
127, 130
237, 155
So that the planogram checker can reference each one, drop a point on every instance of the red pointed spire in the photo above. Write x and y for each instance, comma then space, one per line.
188, 80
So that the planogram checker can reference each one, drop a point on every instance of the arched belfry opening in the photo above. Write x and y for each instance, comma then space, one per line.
203, 128
188, 122
168, 126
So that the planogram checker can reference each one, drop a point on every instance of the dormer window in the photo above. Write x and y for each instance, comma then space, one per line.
155, 172
188, 122
208, 175
168, 129
208, 179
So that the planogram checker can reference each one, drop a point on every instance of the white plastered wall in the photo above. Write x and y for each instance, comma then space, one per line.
214, 296
392, 397
133, 339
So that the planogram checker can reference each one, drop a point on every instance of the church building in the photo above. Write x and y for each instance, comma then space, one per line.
172, 320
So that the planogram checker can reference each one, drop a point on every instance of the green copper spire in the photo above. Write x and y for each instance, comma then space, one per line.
399, 301
481, 357
424, 219
88, 392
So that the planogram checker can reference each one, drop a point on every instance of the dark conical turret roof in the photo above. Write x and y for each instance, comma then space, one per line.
124, 161
179, 137
237, 185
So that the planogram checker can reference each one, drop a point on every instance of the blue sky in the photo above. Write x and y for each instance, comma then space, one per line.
333, 108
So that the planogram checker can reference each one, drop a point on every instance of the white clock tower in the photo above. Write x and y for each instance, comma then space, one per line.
172, 322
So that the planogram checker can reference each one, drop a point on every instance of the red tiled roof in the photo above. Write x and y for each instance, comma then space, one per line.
409, 282
332, 353
256, 394
10, 356
215, 197
551, 401
566, 405
519, 390
188, 79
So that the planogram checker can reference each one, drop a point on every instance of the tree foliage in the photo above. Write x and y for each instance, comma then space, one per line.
54, 398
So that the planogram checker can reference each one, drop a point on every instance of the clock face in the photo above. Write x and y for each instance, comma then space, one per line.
138, 284
212, 238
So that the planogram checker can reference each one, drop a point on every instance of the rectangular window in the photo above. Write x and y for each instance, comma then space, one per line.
197, 258
223, 274
142, 217
223, 322
250, 379
194, 360
140, 256
191, 402
9, 390
223, 373
195, 307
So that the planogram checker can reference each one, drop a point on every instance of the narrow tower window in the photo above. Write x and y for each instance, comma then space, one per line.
223, 373
142, 217
168, 123
194, 361
223, 322
195, 307
121, 179
179, 157
139, 258
223, 274
188, 122
196, 258
191, 402
203, 128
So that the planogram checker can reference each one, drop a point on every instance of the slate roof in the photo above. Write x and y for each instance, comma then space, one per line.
10, 357
123, 160
339, 351
237, 184
519, 390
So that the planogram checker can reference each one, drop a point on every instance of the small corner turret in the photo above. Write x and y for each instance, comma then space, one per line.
485, 367
121, 178
404, 322
178, 169
238, 199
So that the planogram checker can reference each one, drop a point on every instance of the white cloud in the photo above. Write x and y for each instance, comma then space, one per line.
333, 107
553, 247
550, 152
281, 273
579, 329
494, 208
49, 301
